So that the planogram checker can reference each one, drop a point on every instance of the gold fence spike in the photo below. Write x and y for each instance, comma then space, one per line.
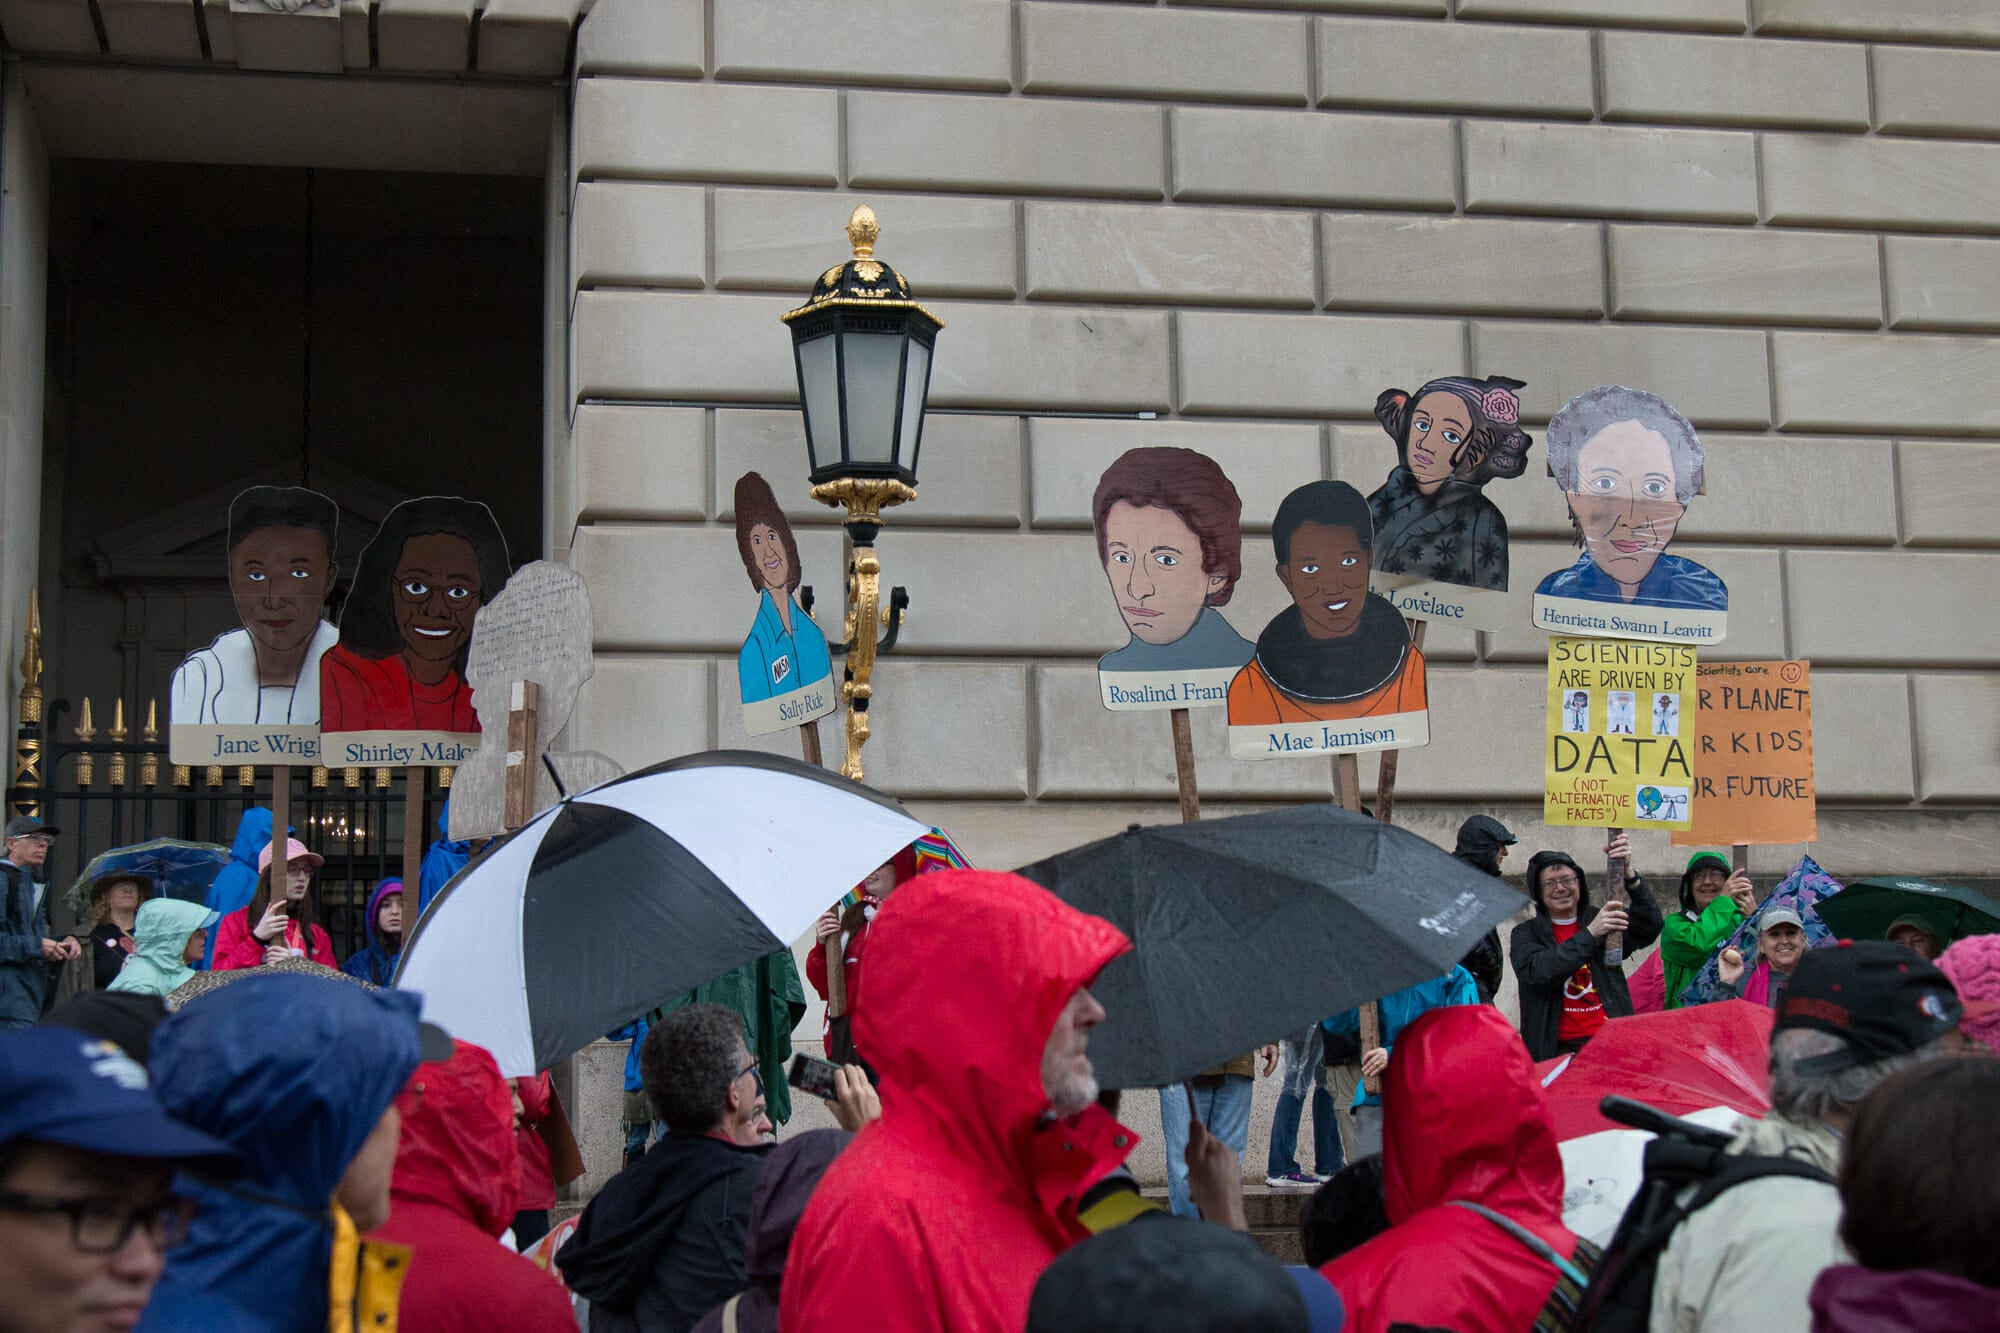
246, 776
212, 775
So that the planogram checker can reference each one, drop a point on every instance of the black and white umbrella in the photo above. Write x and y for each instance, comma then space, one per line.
636, 891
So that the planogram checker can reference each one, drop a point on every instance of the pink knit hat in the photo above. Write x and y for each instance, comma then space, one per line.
1973, 964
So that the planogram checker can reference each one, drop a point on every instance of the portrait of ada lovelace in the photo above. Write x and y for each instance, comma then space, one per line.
400, 663
1432, 517
1628, 464
784, 671
280, 561
1338, 652
1170, 538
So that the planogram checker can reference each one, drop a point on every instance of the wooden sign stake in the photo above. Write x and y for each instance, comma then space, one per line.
1615, 868
1347, 793
1184, 766
809, 743
524, 706
1739, 857
281, 810
1385, 777
413, 826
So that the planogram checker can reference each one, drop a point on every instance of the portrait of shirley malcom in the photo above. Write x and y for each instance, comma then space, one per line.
1170, 538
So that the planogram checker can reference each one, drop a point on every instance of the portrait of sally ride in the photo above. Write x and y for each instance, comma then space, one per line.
1628, 464
1335, 671
1440, 543
1170, 538
784, 672
393, 690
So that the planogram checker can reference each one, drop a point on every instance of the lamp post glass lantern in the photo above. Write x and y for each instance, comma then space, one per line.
862, 347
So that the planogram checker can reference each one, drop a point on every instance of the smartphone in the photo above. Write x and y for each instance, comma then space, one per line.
813, 1075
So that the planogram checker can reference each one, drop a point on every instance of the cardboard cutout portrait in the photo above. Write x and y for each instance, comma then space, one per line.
1336, 670
537, 629
252, 696
1170, 538
393, 690
1628, 464
784, 671
1440, 544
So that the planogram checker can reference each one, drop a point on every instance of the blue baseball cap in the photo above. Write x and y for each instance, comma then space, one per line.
65, 1087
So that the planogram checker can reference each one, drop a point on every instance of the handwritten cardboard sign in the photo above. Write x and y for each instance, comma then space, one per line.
1753, 756
537, 629
1620, 744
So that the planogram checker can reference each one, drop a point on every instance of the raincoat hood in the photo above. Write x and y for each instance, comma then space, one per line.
253, 835
293, 1072
1540, 862
1465, 1118
161, 930
383, 890
968, 971
1696, 862
457, 1149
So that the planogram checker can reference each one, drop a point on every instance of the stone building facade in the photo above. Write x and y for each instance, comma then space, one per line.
1229, 226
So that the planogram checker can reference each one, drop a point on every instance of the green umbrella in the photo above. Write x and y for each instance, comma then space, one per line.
1865, 909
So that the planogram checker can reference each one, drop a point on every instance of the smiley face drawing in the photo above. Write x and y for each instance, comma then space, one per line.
400, 662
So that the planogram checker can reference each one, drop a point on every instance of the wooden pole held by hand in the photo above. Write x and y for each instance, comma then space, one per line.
1184, 766
1739, 857
809, 743
413, 825
1615, 870
1347, 793
836, 976
281, 810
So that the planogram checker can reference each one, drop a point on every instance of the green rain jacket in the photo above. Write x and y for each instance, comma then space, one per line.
1686, 941
768, 995
161, 930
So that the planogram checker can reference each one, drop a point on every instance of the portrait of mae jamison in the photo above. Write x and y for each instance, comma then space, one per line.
1170, 538
281, 567
1338, 651
1628, 464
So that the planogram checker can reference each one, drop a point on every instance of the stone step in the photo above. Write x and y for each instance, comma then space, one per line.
1273, 1216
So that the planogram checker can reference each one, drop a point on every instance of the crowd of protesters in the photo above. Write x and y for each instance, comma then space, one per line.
286, 1152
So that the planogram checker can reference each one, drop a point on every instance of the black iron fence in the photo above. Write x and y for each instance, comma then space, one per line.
112, 789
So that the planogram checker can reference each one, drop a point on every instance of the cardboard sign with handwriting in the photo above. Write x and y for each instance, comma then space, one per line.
1753, 755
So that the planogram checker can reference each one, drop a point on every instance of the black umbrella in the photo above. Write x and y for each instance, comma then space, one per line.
1251, 927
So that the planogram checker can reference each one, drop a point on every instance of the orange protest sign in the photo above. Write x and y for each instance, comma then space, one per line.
1753, 759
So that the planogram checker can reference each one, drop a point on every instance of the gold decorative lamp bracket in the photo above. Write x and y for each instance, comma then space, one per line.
862, 347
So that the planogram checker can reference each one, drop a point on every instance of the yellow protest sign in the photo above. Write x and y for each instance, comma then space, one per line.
1754, 750
1616, 757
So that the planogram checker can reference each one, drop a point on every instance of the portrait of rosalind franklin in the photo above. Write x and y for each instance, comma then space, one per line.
1628, 464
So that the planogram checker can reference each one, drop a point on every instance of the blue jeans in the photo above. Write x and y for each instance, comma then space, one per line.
1225, 1110
1327, 1156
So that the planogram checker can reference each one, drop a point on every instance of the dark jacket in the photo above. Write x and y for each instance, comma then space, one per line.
1542, 966
784, 1184
24, 977
1848, 1298
662, 1244
376, 963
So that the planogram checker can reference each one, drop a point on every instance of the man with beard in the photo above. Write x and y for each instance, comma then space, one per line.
944, 1212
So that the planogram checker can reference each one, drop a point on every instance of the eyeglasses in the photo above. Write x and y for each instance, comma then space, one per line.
753, 1069
101, 1225
1560, 881
38, 839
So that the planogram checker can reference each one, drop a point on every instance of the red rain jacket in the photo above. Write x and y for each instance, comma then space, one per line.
942, 1214
1463, 1118
456, 1184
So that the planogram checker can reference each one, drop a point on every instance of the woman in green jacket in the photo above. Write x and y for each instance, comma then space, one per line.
1714, 902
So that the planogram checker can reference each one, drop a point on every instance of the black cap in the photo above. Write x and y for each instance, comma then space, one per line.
1880, 998
1484, 833
20, 826
126, 1018
1168, 1275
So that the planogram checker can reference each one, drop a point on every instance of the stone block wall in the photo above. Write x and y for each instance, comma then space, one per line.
1229, 225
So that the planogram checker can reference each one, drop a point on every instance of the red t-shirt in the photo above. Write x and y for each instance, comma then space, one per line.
1583, 1012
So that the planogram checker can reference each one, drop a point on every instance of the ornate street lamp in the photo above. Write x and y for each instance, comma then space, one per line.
862, 347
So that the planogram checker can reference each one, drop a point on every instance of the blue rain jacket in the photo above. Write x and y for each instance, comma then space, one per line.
236, 883
1400, 1010
442, 859
293, 1072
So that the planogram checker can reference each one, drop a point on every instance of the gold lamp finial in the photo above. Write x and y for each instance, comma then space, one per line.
862, 229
